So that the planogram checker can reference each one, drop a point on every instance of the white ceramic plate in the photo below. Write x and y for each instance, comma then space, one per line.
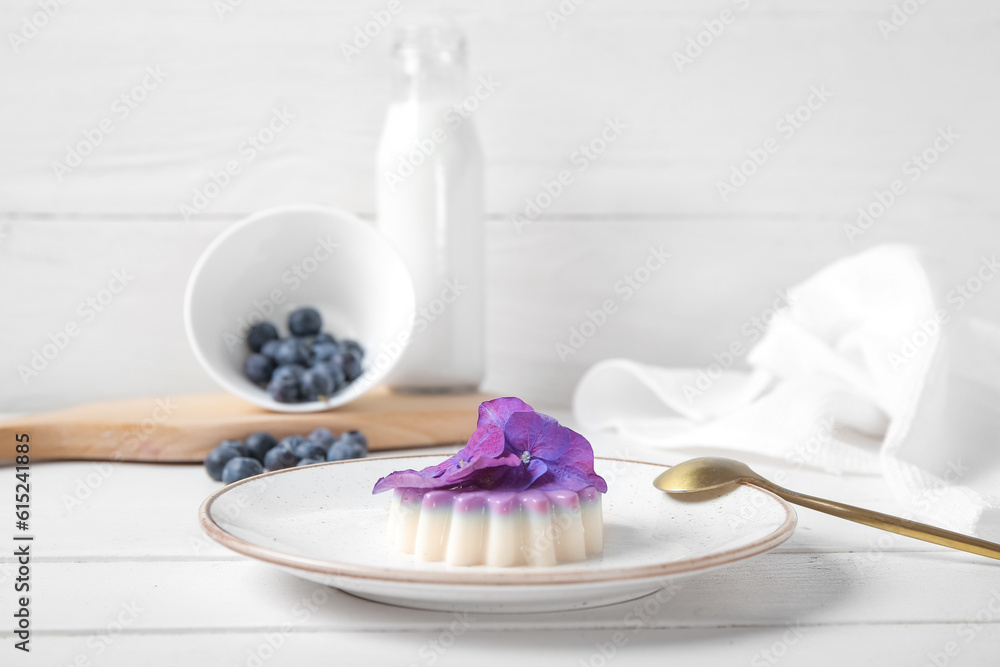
323, 523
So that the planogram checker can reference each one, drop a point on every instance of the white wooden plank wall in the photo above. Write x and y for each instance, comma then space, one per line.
889, 96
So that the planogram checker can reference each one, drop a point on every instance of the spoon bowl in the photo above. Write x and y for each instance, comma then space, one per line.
702, 474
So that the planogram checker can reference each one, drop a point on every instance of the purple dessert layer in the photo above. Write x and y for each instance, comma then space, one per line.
498, 502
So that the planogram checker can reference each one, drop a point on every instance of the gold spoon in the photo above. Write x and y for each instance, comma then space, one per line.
707, 473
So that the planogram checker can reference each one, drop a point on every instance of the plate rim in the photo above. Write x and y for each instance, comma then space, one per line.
517, 577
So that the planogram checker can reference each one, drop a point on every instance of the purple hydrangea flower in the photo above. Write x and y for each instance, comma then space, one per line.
513, 448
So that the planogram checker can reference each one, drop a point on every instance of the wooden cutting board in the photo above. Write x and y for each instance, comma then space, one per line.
186, 428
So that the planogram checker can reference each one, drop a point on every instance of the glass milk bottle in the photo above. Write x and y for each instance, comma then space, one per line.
430, 206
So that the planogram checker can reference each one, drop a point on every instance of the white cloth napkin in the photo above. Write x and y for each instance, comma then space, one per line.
863, 372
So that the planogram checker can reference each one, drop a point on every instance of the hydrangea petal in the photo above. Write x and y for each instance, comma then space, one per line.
464, 473
575, 467
535, 469
514, 477
578, 454
487, 442
499, 410
540, 435
565, 477
405, 479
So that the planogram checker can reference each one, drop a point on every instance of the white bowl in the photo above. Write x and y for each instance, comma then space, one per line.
284, 258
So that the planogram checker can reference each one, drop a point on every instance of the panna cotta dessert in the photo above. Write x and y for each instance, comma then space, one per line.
523, 491
500, 528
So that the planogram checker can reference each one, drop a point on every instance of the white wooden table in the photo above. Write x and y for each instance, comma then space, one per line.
121, 575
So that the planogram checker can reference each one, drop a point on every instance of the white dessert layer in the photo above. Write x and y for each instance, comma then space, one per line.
499, 528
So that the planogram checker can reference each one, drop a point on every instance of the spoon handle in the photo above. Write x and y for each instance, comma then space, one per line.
893, 524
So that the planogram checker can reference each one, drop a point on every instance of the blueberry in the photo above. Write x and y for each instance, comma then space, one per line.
309, 462
322, 437
324, 338
352, 365
358, 438
293, 371
345, 448
336, 371
284, 392
270, 349
279, 458
339, 452
305, 322
327, 352
258, 368
235, 444
285, 385
239, 468
353, 346
260, 334
309, 342
318, 383
292, 350
217, 460
310, 450
260, 444
291, 442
